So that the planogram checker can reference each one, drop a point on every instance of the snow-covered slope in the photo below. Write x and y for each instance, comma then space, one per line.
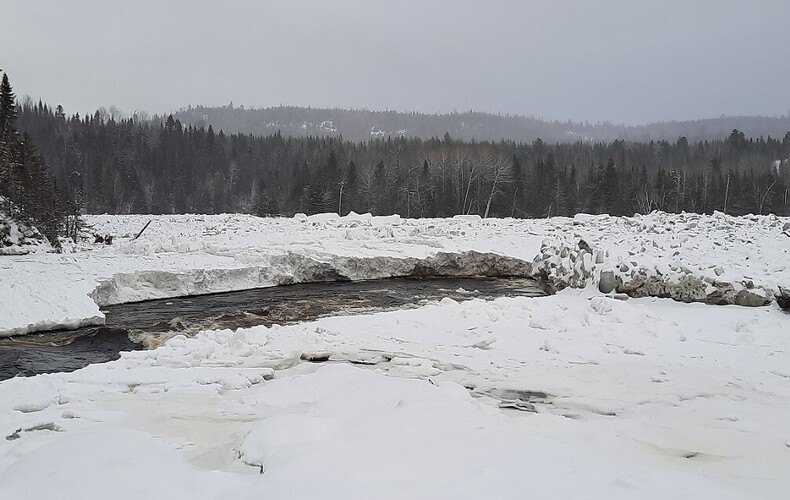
717, 259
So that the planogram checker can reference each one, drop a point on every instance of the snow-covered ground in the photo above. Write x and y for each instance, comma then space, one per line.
574, 395
690, 257
643, 398
186, 255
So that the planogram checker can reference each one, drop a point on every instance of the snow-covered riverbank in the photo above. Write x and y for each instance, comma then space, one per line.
689, 257
575, 395
643, 398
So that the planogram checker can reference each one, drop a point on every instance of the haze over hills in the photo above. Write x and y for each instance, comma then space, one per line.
362, 125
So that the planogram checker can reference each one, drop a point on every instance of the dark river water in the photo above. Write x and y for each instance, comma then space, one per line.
145, 324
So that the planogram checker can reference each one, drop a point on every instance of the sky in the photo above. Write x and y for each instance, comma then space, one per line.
623, 61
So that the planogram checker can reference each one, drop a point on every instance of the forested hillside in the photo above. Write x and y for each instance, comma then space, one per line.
362, 125
130, 166
28, 192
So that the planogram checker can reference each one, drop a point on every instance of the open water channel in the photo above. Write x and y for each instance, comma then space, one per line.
146, 324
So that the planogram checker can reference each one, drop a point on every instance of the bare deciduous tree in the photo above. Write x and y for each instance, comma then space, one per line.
498, 172
760, 195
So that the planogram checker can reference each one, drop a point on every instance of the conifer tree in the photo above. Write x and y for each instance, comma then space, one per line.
7, 105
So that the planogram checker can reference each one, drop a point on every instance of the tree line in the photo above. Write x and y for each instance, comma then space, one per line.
28, 190
131, 165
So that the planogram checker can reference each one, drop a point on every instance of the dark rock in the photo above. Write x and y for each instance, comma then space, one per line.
783, 298
519, 405
607, 283
315, 357
521, 394
751, 298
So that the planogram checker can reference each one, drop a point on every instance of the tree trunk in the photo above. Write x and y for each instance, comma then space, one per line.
762, 202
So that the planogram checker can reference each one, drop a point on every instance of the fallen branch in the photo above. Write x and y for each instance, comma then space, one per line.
143, 229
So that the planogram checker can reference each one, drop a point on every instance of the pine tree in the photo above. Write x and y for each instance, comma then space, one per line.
9, 176
8, 113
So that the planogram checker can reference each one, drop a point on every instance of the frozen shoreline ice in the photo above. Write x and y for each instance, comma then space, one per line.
687, 256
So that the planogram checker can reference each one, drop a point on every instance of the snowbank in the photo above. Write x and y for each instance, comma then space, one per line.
644, 398
714, 259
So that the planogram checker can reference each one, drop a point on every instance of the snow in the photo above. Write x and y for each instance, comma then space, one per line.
643, 398
690, 257
575, 395
18, 237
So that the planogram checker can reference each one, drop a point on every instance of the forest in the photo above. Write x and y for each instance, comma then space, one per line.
127, 165
28, 190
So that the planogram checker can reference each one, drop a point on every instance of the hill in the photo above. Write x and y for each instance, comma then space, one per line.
362, 125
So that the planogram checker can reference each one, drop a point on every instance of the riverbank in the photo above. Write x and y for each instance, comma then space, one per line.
581, 394
689, 257
574, 395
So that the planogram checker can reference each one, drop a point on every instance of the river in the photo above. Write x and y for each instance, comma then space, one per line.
143, 325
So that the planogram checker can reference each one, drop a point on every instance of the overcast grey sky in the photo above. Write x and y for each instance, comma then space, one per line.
629, 61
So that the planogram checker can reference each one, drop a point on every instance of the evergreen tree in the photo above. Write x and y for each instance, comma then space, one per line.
8, 113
